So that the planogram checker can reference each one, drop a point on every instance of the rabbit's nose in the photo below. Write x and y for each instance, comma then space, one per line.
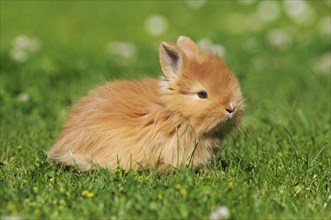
230, 109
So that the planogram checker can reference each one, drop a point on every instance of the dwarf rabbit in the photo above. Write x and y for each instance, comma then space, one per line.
171, 122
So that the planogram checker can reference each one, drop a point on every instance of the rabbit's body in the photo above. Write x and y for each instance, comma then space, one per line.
154, 123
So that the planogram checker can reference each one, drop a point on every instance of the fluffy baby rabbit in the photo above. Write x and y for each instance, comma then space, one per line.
171, 122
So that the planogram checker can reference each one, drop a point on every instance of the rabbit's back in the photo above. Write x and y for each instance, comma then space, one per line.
108, 126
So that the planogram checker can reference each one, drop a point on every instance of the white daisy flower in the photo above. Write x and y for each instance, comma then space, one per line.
195, 4
24, 42
11, 217
221, 212
323, 64
299, 11
279, 39
206, 44
268, 10
18, 55
22, 46
246, 2
23, 97
122, 51
324, 26
156, 25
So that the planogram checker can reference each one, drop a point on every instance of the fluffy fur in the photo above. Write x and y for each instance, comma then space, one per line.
155, 123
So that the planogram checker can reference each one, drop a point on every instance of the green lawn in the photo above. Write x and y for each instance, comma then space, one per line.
278, 165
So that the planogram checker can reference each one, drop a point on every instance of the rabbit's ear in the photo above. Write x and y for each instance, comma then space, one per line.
171, 60
187, 45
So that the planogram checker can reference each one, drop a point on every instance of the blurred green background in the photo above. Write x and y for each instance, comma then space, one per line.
57, 50
54, 52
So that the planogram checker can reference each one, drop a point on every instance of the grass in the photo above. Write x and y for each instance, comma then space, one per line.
276, 166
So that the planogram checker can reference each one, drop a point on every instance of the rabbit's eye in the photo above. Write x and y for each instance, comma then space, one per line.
202, 94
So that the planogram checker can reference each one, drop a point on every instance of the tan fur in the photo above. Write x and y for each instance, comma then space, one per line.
154, 123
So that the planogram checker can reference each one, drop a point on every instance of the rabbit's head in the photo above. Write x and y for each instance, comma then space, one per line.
199, 87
